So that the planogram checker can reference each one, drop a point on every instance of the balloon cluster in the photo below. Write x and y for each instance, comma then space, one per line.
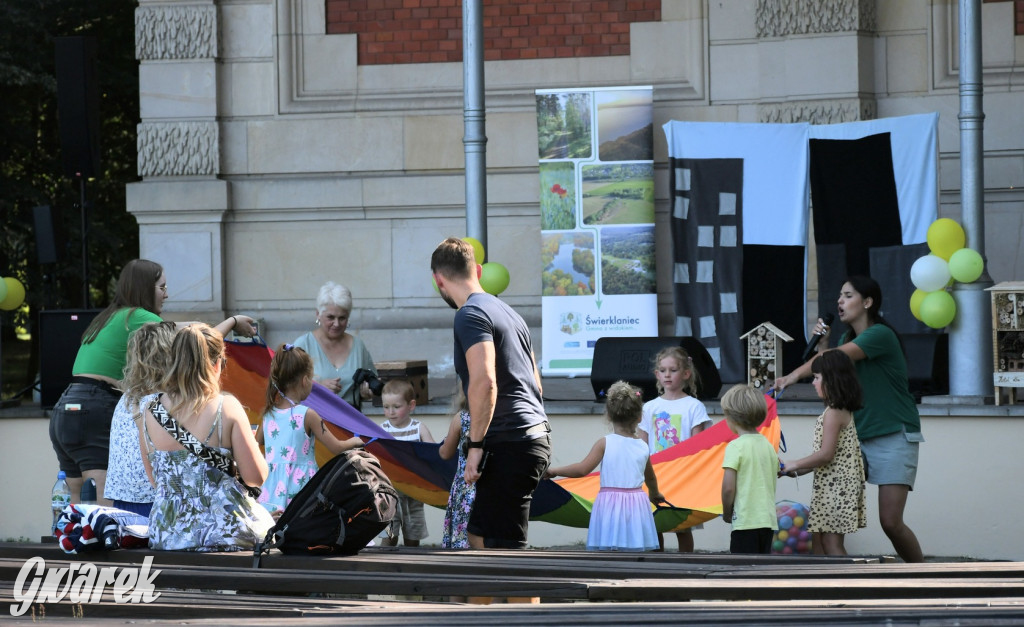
12, 293
494, 277
949, 260
792, 536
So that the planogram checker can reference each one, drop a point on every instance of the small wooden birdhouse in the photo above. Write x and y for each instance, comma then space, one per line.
764, 353
1007, 338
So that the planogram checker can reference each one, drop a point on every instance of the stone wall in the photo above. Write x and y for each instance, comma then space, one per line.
272, 160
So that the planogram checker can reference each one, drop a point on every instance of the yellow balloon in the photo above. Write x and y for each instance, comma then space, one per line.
478, 248
945, 237
783, 535
915, 303
3, 290
15, 294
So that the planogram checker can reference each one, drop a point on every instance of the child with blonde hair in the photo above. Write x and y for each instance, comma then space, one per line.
289, 430
621, 519
675, 416
399, 399
751, 468
462, 495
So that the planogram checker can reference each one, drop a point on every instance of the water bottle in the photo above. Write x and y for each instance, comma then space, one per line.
88, 493
60, 498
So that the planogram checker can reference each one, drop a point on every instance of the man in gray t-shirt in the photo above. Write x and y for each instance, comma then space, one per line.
508, 427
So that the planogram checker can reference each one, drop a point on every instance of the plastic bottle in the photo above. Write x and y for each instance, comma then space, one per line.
60, 498
88, 494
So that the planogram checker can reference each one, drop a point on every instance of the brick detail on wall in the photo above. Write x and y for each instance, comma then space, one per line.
1018, 15
430, 31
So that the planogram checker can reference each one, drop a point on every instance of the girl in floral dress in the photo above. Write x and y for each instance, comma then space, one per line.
460, 500
837, 499
289, 430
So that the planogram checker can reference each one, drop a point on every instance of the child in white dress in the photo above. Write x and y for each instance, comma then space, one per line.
289, 430
621, 519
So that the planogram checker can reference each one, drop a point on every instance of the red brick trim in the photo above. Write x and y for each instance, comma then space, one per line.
430, 31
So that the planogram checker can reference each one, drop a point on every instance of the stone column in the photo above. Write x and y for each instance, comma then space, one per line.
180, 203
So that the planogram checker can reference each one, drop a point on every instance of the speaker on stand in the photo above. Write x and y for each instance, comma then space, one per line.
78, 111
60, 335
631, 359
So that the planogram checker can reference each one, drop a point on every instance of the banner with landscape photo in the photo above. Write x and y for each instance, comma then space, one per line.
596, 154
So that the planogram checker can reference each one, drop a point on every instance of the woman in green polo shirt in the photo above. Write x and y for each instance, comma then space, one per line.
80, 422
888, 426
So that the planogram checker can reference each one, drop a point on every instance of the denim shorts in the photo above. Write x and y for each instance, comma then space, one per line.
80, 427
501, 511
892, 459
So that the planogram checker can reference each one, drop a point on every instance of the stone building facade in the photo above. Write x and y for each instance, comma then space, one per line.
284, 143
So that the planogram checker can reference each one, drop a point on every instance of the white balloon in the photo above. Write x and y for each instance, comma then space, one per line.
930, 273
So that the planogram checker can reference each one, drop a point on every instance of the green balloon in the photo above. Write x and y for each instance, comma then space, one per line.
3, 290
494, 277
938, 309
966, 265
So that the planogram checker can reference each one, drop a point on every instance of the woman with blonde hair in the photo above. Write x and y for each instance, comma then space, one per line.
149, 358
196, 439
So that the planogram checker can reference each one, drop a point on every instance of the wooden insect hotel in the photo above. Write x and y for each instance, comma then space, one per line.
764, 353
1007, 338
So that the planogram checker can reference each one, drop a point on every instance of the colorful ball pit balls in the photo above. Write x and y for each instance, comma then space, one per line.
793, 536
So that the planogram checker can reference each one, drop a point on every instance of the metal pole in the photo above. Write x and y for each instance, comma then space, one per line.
85, 242
475, 139
970, 340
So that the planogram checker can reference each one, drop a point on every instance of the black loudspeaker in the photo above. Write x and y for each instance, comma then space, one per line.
46, 223
927, 363
78, 106
632, 359
60, 335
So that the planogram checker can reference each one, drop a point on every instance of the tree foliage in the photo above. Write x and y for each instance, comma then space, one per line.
31, 172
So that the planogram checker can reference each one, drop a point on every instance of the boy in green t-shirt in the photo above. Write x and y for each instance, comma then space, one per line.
751, 469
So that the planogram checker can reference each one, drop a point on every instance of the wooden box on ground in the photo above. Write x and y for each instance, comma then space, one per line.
414, 370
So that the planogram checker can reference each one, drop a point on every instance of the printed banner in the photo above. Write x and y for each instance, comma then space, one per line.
596, 152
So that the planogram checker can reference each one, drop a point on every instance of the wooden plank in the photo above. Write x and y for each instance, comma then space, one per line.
816, 589
342, 582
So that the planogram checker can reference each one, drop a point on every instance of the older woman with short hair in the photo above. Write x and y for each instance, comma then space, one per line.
336, 353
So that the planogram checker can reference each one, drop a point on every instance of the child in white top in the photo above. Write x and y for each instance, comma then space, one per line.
621, 519
674, 416
289, 430
399, 399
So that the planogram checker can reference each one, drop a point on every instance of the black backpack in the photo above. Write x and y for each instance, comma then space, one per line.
343, 506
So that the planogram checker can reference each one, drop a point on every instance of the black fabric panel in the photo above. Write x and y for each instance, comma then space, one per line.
890, 266
853, 193
831, 276
773, 291
708, 180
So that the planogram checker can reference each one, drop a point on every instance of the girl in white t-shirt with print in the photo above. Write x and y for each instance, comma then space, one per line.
675, 415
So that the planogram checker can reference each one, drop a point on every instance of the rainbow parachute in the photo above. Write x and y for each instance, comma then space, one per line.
689, 474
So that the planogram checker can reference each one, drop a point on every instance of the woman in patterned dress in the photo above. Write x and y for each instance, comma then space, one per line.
197, 506
837, 501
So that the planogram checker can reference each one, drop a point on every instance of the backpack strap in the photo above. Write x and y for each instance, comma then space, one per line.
206, 453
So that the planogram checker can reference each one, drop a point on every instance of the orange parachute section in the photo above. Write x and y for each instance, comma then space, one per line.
689, 474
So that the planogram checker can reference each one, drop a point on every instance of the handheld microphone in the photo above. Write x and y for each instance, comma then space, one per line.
813, 343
